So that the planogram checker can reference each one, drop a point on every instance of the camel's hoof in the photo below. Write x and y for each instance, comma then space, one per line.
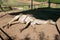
4, 26
8, 25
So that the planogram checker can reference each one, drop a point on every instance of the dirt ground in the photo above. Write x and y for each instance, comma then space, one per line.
42, 32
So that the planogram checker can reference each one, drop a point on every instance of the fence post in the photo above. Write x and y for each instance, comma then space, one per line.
48, 3
31, 4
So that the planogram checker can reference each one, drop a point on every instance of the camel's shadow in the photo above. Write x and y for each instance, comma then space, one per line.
42, 13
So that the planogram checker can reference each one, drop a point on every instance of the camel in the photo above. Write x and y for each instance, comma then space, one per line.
29, 19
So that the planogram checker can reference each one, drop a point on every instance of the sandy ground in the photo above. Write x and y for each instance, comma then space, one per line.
42, 32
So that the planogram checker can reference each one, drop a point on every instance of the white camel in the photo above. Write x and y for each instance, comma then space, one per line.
26, 18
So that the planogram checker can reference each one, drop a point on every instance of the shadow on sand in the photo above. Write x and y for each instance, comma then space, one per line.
42, 13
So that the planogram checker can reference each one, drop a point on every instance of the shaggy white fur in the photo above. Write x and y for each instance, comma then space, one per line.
40, 22
22, 18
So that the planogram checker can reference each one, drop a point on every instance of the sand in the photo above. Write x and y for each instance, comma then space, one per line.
42, 32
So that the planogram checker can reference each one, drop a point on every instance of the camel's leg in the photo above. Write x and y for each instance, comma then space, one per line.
15, 22
27, 22
15, 18
26, 26
33, 24
12, 21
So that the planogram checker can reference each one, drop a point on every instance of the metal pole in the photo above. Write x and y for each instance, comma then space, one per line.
48, 3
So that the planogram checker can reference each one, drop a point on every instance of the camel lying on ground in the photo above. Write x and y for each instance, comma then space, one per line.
26, 18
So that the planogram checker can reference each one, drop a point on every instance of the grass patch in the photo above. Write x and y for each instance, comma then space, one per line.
58, 6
